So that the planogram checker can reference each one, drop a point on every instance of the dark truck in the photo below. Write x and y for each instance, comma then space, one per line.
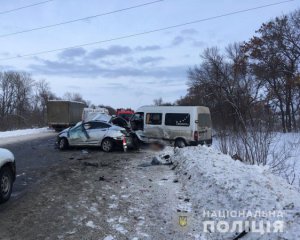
62, 114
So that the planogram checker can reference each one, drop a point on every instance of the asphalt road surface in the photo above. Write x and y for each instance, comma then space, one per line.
34, 156
89, 194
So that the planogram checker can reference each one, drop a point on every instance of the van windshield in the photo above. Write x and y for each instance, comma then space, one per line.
204, 120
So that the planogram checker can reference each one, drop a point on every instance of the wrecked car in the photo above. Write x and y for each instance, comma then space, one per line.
94, 133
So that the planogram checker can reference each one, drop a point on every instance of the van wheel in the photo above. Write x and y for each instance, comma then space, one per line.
63, 144
107, 145
6, 183
180, 143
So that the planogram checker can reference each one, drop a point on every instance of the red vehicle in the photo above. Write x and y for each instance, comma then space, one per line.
125, 113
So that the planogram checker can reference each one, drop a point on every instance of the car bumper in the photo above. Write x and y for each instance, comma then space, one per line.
128, 142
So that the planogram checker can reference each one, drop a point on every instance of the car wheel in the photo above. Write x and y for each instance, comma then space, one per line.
63, 143
6, 183
180, 143
107, 145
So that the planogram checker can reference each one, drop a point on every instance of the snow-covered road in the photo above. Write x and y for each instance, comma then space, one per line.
118, 195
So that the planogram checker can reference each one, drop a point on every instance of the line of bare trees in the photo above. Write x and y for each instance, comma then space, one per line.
257, 81
23, 101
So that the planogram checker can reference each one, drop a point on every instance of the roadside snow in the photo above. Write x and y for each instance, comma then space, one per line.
23, 132
11, 137
284, 149
215, 182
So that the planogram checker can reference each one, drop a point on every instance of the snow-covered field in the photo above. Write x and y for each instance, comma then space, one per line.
284, 154
23, 132
222, 189
9, 137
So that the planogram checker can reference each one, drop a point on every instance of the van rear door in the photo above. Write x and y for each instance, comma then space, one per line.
204, 126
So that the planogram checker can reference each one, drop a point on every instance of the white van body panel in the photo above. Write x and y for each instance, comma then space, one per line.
171, 132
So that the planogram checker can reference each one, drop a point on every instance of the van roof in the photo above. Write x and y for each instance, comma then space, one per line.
174, 108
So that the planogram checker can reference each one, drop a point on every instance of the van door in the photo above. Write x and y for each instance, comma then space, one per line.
204, 126
178, 125
153, 126
137, 121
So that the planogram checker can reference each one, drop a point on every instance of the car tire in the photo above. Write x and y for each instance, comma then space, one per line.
6, 184
63, 144
107, 145
180, 143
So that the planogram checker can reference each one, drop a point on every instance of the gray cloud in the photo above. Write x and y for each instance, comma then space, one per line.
93, 70
114, 50
148, 48
151, 60
72, 53
102, 53
199, 43
189, 31
178, 40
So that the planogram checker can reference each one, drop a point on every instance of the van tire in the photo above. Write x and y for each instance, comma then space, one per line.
180, 143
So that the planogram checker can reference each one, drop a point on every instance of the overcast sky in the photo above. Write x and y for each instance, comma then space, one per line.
129, 72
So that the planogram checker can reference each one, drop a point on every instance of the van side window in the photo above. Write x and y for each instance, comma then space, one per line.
154, 118
177, 119
204, 120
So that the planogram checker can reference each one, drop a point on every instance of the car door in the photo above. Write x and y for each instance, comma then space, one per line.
77, 136
96, 131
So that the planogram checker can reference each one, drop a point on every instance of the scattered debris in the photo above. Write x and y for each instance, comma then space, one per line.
88, 164
174, 167
84, 152
236, 157
166, 157
101, 179
175, 181
239, 236
156, 161
289, 206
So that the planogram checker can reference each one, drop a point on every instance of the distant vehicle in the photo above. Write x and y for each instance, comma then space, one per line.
63, 114
125, 113
94, 133
7, 174
178, 125
90, 114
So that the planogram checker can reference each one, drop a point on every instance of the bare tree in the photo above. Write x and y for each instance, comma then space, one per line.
275, 59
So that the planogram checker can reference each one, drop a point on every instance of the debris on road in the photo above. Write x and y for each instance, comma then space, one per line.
101, 179
84, 152
156, 161
89, 164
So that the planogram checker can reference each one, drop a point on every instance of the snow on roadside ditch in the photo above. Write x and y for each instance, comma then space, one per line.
23, 132
218, 185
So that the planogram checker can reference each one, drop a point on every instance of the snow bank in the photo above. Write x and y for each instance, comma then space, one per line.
215, 182
23, 132
283, 146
